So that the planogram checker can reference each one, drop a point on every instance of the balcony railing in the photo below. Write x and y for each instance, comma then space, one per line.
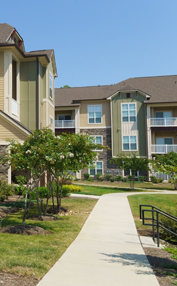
14, 107
163, 149
64, 123
168, 121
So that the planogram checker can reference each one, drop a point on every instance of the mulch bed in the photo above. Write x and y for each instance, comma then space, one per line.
9, 279
27, 230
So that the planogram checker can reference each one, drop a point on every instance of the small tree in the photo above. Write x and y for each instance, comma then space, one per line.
166, 163
131, 162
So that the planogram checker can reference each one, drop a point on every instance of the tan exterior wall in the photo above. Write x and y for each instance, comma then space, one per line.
51, 112
2, 81
10, 131
173, 109
106, 118
44, 115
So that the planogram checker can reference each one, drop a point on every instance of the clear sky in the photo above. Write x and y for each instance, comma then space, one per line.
99, 42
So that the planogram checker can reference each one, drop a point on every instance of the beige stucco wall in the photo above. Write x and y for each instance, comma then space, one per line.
51, 112
10, 131
2, 81
106, 118
44, 115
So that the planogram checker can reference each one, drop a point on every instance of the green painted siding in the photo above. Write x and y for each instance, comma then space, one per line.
117, 123
28, 77
42, 92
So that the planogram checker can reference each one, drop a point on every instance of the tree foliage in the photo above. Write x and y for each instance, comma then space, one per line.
59, 157
131, 162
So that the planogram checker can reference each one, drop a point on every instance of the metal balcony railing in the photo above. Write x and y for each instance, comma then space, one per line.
64, 123
168, 121
163, 149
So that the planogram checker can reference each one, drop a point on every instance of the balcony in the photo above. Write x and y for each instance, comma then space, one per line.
64, 124
163, 149
162, 122
14, 107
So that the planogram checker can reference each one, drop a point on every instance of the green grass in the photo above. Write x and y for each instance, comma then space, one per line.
98, 191
143, 185
165, 202
35, 254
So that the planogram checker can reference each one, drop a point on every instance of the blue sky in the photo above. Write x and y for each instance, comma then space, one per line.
99, 42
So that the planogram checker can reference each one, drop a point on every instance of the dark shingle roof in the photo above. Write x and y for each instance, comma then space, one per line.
159, 88
5, 31
47, 53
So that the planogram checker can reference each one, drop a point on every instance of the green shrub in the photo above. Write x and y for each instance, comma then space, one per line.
154, 180
124, 179
99, 177
142, 178
131, 178
71, 188
112, 179
5, 189
90, 180
119, 178
170, 181
86, 176
108, 177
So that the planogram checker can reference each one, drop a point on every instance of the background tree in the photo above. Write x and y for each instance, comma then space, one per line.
131, 162
166, 163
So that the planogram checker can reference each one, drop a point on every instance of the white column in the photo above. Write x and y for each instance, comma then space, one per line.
8, 82
148, 132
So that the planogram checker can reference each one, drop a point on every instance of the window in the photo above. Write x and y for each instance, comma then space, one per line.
128, 112
94, 113
129, 143
163, 114
64, 117
98, 169
97, 139
51, 123
51, 85
164, 141
14, 80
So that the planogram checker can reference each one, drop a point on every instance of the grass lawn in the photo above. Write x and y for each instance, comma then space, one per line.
167, 203
142, 185
35, 254
99, 190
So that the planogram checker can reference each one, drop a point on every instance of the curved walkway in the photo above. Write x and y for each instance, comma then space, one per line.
107, 251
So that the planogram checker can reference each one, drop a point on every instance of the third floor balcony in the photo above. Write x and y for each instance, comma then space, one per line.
163, 122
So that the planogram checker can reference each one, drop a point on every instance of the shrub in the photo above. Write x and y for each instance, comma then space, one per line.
142, 178
170, 181
119, 178
99, 177
112, 179
86, 176
154, 180
71, 188
108, 177
5, 189
124, 179
90, 180
131, 178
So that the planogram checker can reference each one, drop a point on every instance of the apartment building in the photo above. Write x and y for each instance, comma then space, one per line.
26, 89
136, 115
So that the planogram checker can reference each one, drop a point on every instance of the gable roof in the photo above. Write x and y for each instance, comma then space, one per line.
161, 89
5, 31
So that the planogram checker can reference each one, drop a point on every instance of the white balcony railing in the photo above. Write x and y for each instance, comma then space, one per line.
163, 149
64, 123
14, 107
168, 121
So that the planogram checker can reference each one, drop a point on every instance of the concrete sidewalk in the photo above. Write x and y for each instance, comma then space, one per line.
106, 252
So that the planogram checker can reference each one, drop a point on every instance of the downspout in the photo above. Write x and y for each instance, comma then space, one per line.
37, 95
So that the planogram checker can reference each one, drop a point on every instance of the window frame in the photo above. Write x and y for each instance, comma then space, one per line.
163, 113
96, 143
128, 103
165, 138
94, 105
50, 86
94, 163
129, 143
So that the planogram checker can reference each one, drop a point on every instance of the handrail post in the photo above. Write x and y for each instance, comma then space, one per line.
153, 223
157, 214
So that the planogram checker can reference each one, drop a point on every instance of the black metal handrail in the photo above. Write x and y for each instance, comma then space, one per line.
155, 212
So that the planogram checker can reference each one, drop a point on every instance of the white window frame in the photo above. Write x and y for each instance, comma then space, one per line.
123, 173
94, 113
130, 143
95, 141
51, 122
96, 169
50, 85
128, 103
